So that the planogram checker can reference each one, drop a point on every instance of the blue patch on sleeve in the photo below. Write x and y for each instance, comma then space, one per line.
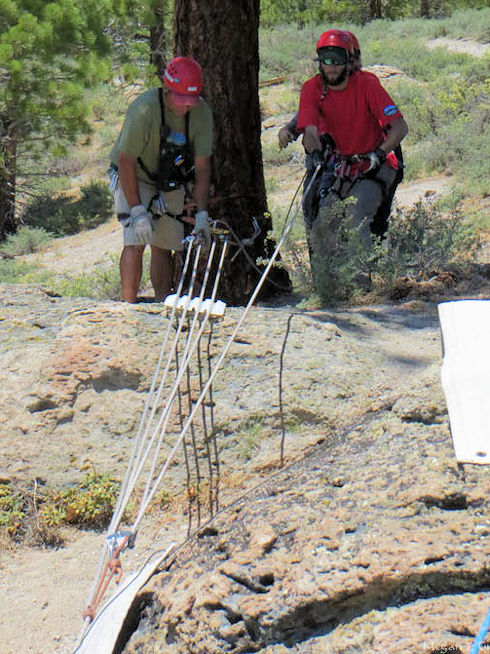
390, 110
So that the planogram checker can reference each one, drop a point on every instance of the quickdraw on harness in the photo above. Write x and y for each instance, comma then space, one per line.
176, 156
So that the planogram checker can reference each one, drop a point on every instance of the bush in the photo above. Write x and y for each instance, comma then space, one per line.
25, 240
32, 514
14, 272
89, 504
103, 284
341, 260
422, 242
63, 216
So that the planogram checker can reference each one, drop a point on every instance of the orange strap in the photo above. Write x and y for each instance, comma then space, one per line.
113, 568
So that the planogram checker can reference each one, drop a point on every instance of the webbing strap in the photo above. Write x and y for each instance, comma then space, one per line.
163, 135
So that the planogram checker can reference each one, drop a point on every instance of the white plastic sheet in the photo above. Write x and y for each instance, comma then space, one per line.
465, 375
104, 630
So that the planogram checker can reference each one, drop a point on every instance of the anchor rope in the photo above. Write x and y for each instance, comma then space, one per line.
139, 454
480, 636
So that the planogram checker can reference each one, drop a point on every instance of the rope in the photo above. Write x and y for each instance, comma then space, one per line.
138, 458
184, 364
287, 228
480, 636
281, 362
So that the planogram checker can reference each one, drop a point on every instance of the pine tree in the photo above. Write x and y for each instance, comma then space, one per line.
49, 53
223, 36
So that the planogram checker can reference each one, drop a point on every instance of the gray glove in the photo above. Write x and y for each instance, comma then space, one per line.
318, 158
142, 224
376, 159
202, 229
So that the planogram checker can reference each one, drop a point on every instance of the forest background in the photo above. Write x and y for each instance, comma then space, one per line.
69, 70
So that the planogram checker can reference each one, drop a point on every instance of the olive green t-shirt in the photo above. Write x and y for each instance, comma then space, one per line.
140, 133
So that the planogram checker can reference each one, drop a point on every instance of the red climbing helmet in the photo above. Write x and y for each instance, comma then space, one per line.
183, 76
353, 40
334, 39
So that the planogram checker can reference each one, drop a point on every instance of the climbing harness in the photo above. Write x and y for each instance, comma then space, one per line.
176, 161
189, 318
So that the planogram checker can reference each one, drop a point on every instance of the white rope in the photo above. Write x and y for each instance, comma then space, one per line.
130, 479
286, 230
149, 494
179, 373
136, 444
142, 454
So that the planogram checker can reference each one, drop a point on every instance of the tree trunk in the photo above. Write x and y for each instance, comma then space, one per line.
223, 36
158, 39
372, 10
424, 9
8, 160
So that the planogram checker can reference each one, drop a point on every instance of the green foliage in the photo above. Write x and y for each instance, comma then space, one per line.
14, 272
31, 513
27, 239
64, 215
341, 258
89, 504
11, 509
48, 53
103, 284
424, 241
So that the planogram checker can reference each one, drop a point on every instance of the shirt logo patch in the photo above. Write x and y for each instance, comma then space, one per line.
390, 110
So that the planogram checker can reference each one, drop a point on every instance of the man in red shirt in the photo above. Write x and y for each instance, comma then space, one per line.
364, 123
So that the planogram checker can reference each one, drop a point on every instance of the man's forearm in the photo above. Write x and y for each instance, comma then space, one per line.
129, 179
311, 139
201, 185
395, 135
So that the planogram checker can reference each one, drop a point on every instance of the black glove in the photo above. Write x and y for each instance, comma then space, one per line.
318, 158
376, 159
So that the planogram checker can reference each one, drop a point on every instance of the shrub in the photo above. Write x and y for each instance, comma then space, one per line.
89, 504
15, 272
63, 215
11, 509
341, 259
26, 239
32, 514
422, 241
103, 284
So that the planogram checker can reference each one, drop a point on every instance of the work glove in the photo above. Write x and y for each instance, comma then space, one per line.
202, 229
142, 224
376, 159
318, 158
285, 137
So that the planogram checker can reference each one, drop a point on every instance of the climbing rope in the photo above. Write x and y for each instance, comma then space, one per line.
146, 442
480, 636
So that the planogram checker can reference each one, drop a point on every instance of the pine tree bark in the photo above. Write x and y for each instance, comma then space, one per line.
158, 39
8, 157
424, 9
223, 36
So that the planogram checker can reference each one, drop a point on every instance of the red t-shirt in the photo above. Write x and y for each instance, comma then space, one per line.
354, 117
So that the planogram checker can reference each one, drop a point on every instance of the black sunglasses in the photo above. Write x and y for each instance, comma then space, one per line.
334, 59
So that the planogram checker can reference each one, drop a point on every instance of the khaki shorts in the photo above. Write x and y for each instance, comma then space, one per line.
167, 232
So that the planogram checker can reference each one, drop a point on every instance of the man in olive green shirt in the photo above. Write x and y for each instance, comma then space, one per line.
151, 162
